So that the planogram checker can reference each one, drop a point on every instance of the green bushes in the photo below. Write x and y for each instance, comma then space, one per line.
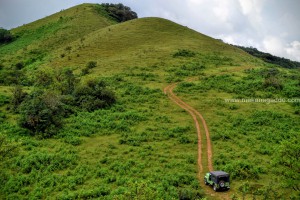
93, 95
90, 65
41, 112
57, 95
184, 53
117, 12
18, 97
5, 36
4, 100
7, 148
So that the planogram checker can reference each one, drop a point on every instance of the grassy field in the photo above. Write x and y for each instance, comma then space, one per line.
144, 146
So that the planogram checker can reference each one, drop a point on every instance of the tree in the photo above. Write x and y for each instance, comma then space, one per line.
119, 12
42, 112
5, 36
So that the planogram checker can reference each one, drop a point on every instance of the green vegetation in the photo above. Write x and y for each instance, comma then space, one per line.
5, 36
283, 62
81, 100
119, 12
184, 53
251, 139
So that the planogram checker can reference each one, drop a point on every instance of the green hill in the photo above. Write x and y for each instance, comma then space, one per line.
39, 38
100, 125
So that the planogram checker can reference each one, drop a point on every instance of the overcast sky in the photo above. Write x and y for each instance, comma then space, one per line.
270, 25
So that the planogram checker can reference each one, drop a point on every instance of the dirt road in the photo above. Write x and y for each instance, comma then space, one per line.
198, 119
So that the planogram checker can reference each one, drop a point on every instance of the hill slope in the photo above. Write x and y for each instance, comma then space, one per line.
143, 146
139, 42
37, 39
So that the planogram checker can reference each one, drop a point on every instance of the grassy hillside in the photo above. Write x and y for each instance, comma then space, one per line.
36, 40
143, 146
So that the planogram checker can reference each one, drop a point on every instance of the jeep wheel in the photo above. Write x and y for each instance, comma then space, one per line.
215, 187
222, 184
205, 182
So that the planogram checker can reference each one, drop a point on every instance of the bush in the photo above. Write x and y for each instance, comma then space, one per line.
41, 112
6, 148
5, 36
184, 53
91, 64
119, 12
18, 97
93, 95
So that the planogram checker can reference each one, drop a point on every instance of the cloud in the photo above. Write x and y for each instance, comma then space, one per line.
276, 46
273, 45
293, 50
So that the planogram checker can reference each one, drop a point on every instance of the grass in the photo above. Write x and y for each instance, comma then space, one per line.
247, 136
144, 146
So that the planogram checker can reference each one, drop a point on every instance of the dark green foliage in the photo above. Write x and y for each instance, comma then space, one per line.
85, 71
283, 62
5, 36
65, 81
43, 78
289, 157
93, 95
273, 82
7, 149
119, 12
17, 97
19, 65
12, 77
184, 53
91, 64
41, 112
4, 100
46, 161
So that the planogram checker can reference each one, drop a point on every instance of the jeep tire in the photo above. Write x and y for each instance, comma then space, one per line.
215, 187
205, 182
222, 184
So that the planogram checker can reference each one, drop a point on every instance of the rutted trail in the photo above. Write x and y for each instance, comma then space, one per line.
169, 91
194, 113
198, 119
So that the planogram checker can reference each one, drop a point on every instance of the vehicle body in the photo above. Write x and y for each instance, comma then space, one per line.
219, 180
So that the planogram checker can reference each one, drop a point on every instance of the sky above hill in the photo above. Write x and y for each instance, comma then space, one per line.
269, 25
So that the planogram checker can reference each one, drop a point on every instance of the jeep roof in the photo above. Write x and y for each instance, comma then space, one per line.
219, 173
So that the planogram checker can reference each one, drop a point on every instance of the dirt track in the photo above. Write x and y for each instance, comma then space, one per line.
197, 117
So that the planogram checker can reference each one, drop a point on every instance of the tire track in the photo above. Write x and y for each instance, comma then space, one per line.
169, 91
197, 117
194, 113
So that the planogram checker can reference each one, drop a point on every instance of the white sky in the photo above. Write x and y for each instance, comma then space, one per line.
270, 25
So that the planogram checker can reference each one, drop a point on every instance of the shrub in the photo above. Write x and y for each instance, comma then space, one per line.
66, 81
19, 65
184, 53
5, 36
93, 95
3, 100
273, 82
41, 112
6, 148
91, 64
17, 97
118, 12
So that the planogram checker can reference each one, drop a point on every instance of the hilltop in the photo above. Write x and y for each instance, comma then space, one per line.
85, 113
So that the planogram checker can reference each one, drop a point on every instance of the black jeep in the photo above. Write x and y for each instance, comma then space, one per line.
218, 179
